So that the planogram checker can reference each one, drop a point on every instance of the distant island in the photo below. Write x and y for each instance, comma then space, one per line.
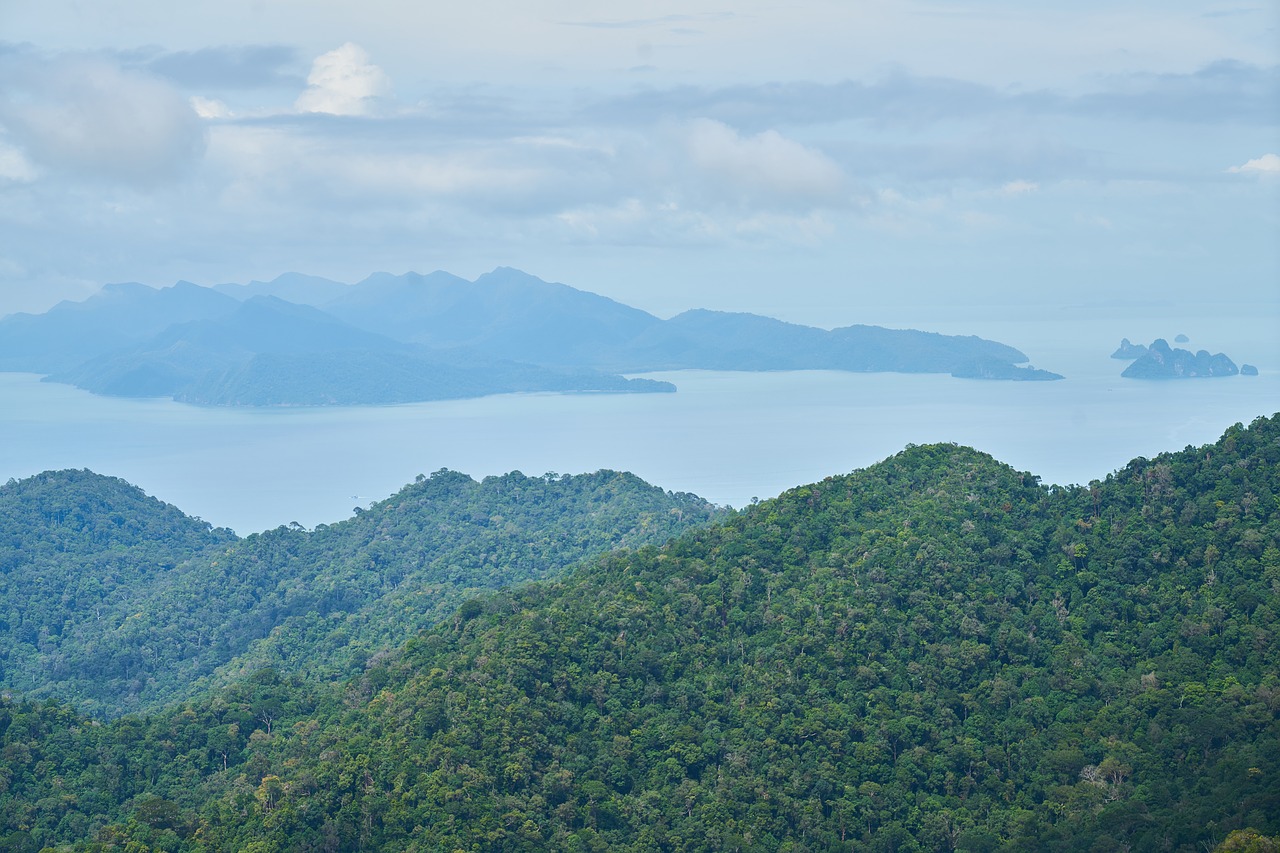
1003, 370
1160, 361
307, 341
1129, 351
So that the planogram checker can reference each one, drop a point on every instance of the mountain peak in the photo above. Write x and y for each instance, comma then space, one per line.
126, 288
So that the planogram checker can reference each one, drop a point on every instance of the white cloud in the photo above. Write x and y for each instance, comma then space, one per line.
210, 107
1016, 188
14, 166
95, 119
343, 82
1267, 164
765, 165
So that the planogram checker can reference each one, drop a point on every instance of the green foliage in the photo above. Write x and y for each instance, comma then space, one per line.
936, 653
76, 548
121, 603
349, 591
1248, 841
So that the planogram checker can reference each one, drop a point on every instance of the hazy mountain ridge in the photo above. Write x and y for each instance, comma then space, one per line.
118, 316
934, 653
290, 286
504, 314
520, 316
272, 352
391, 339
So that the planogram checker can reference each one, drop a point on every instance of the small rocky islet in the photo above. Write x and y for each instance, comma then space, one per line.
1161, 361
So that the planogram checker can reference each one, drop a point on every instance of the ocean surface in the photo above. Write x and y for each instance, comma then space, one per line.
730, 437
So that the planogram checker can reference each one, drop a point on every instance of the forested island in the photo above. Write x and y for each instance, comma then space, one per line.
937, 652
305, 341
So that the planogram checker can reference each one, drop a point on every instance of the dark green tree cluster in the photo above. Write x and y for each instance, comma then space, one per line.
936, 653
62, 774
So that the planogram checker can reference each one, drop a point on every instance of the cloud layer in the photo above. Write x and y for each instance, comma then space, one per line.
328, 151
94, 119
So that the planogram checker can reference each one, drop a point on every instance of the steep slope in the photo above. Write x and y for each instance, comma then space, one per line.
93, 620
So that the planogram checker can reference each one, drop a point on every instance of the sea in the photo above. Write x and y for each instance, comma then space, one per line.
730, 437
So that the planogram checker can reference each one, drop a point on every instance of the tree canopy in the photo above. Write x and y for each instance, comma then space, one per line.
935, 653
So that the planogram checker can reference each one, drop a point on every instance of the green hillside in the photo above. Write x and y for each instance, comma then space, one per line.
117, 602
934, 653
77, 550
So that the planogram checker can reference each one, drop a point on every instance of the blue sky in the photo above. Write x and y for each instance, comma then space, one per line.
825, 162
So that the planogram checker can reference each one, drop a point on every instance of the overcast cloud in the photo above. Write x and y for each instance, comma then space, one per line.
88, 117
221, 68
676, 157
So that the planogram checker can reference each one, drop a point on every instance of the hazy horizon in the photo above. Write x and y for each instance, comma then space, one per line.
819, 161
1051, 179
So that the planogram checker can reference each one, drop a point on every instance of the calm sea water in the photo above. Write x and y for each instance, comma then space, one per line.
729, 437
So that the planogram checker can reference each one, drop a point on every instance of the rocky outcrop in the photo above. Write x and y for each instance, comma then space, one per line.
1129, 351
1163, 362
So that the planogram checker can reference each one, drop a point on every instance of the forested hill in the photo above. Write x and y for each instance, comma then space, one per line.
118, 602
934, 653
57, 515
77, 548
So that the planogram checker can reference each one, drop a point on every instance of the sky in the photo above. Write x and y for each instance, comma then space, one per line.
822, 161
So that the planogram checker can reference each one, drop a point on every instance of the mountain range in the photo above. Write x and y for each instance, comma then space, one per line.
303, 340
935, 653
104, 591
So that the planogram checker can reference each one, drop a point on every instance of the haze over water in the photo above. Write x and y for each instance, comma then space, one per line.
729, 437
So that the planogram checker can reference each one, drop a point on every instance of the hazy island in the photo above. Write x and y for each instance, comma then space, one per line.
1003, 370
305, 341
1160, 361
1129, 351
